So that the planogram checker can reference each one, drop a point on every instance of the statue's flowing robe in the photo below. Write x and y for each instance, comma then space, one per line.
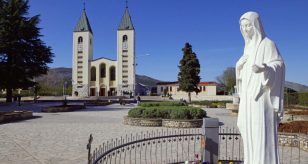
261, 103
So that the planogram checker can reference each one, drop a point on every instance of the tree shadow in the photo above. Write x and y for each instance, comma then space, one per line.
20, 120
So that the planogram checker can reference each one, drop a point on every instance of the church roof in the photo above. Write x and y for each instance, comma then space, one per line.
126, 22
83, 23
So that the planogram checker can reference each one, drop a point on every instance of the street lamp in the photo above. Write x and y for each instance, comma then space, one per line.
64, 88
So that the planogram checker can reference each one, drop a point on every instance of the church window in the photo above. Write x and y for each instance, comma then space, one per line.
93, 74
79, 72
124, 42
125, 81
125, 71
204, 88
125, 51
79, 82
103, 70
79, 46
112, 72
79, 77
125, 66
79, 67
161, 89
125, 76
79, 61
170, 89
125, 61
80, 40
79, 57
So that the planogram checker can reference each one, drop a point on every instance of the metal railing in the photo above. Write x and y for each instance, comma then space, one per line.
180, 145
160, 146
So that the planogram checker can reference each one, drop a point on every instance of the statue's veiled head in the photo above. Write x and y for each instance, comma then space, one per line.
251, 26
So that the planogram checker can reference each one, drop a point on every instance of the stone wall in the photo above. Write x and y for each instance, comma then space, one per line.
182, 123
293, 140
164, 123
142, 122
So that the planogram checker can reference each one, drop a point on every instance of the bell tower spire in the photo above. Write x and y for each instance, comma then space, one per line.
126, 55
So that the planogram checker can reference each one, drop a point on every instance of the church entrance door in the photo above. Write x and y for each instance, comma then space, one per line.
102, 92
92, 91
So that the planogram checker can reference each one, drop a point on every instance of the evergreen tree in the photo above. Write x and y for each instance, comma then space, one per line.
188, 76
23, 55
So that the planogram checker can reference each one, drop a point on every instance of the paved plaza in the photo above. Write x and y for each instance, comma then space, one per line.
61, 138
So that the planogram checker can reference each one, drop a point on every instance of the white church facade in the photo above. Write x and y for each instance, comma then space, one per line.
102, 76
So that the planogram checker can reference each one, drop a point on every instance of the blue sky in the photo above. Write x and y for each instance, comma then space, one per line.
163, 26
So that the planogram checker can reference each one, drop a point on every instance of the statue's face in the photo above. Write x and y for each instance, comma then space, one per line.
247, 28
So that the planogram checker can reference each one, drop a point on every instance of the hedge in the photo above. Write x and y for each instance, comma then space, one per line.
211, 103
165, 103
167, 112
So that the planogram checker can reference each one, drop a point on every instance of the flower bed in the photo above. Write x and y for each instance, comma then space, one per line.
294, 127
15, 116
63, 108
174, 115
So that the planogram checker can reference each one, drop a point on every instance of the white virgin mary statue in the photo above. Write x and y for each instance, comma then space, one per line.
260, 83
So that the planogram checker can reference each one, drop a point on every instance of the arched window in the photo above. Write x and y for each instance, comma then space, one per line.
112, 73
124, 42
80, 47
93, 74
80, 40
103, 70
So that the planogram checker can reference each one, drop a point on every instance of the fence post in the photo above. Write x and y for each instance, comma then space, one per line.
89, 148
210, 132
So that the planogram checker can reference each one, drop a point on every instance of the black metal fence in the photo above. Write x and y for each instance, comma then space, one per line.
180, 145
160, 146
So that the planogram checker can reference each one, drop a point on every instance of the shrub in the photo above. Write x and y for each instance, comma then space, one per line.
167, 112
180, 114
149, 113
211, 104
196, 113
136, 112
165, 103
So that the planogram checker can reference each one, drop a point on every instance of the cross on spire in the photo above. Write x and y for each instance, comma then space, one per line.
84, 4
126, 3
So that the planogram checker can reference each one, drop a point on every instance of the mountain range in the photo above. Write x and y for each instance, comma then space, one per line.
57, 76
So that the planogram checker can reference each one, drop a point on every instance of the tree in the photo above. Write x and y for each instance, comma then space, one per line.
228, 79
23, 55
188, 76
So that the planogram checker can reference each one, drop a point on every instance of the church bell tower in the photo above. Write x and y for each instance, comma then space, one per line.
126, 56
82, 56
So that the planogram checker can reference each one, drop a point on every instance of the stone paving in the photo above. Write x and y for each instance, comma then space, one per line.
61, 138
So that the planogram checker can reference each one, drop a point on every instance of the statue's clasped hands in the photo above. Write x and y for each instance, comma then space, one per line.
258, 69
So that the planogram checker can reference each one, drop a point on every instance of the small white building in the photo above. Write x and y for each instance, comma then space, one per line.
103, 76
208, 90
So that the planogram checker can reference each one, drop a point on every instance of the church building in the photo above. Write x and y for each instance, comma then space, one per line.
103, 76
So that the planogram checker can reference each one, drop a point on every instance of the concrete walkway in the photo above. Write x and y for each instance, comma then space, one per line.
61, 138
